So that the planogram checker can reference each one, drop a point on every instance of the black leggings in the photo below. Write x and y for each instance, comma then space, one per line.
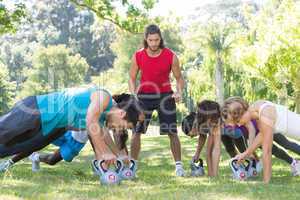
38, 142
286, 144
231, 144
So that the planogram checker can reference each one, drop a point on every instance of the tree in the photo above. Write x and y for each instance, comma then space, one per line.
77, 29
273, 57
11, 18
6, 89
54, 67
134, 20
219, 42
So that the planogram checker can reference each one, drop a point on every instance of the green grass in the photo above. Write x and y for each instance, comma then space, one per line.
156, 179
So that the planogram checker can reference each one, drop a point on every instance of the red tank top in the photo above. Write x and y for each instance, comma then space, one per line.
155, 71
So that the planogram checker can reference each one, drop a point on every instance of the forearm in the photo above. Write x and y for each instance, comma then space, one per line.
97, 140
256, 143
110, 143
209, 156
200, 145
180, 85
132, 85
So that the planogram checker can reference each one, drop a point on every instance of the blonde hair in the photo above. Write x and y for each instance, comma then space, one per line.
230, 100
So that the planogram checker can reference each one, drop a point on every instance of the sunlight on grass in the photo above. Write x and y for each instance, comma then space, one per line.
156, 179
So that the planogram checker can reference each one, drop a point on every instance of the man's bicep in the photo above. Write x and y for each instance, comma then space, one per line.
175, 67
134, 69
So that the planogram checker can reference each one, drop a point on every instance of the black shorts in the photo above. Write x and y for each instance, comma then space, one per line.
20, 129
28, 146
21, 122
166, 108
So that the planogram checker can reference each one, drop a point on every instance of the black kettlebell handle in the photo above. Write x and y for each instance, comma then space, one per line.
234, 163
132, 165
101, 166
119, 165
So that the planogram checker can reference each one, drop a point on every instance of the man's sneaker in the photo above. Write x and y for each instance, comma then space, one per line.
295, 168
180, 172
5, 165
35, 159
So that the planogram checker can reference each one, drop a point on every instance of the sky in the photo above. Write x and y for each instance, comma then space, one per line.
180, 7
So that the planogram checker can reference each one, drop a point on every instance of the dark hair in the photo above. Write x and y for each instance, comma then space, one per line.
153, 29
187, 123
208, 109
121, 97
131, 105
123, 137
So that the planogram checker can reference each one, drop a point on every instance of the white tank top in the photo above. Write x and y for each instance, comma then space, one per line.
281, 121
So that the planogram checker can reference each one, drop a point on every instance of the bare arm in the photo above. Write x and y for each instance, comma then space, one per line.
110, 143
251, 131
200, 145
99, 101
266, 125
209, 148
178, 76
134, 69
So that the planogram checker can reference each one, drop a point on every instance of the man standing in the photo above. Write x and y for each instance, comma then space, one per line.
155, 62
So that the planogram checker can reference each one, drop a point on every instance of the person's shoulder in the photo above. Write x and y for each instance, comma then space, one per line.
140, 51
169, 51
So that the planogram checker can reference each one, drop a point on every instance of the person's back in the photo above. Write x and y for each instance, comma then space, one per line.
67, 108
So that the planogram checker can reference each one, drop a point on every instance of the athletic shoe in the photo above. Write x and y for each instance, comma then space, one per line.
180, 172
35, 159
295, 168
5, 165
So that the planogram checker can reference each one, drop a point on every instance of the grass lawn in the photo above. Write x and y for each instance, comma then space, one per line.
156, 179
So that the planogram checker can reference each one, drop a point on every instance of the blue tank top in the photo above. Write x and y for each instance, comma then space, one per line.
68, 108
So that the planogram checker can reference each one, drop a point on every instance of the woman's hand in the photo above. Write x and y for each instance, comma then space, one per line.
240, 157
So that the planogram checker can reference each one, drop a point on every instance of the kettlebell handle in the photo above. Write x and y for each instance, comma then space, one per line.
234, 163
132, 165
119, 165
101, 168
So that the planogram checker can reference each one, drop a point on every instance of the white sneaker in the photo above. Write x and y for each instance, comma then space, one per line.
35, 159
180, 172
295, 168
5, 165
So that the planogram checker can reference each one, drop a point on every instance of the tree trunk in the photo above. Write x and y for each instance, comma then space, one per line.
297, 101
219, 80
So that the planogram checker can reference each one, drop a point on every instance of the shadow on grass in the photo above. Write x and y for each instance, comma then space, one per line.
156, 179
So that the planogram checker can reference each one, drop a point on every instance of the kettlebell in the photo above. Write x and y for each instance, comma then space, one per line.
197, 167
252, 171
238, 170
108, 176
128, 172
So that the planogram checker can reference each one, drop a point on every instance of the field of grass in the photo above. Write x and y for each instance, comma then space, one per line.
156, 179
